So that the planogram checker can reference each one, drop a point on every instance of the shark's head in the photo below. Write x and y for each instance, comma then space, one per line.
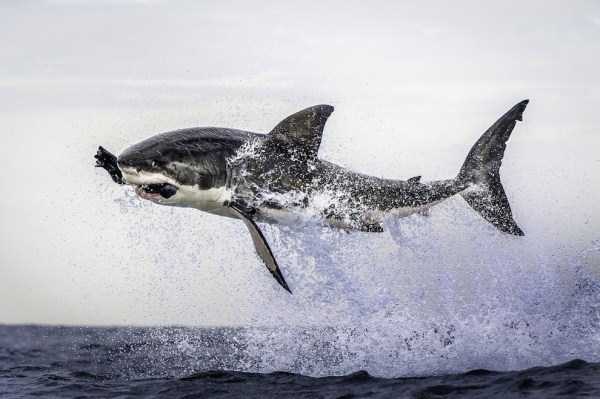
179, 168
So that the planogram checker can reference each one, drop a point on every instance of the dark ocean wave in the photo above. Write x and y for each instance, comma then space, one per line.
576, 378
90, 362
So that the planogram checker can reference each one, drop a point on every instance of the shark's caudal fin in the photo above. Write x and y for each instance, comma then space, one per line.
481, 170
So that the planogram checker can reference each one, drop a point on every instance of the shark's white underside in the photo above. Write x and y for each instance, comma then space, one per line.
215, 200
212, 200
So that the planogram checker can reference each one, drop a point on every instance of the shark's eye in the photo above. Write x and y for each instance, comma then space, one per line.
165, 190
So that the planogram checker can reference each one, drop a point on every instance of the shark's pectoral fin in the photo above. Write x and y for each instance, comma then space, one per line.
261, 246
108, 161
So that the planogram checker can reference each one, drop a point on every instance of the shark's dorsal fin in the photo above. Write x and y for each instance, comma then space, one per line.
302, 131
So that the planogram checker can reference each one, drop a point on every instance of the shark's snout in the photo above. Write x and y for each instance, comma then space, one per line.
135, 161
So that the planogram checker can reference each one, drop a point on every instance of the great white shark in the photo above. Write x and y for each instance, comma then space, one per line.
278, 177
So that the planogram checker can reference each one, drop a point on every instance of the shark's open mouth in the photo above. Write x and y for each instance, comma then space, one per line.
155, 191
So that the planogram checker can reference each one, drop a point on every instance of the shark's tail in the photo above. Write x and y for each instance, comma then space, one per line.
481, 171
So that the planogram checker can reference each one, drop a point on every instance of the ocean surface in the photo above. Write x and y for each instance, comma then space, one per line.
180, 362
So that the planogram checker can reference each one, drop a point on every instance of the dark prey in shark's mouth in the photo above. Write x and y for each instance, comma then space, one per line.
278, 177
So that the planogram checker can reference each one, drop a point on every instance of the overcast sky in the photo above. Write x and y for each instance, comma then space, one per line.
414, 84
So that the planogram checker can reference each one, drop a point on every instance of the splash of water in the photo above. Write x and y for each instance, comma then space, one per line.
436, 294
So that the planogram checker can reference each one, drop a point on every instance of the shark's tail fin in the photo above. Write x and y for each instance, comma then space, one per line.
481, 171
